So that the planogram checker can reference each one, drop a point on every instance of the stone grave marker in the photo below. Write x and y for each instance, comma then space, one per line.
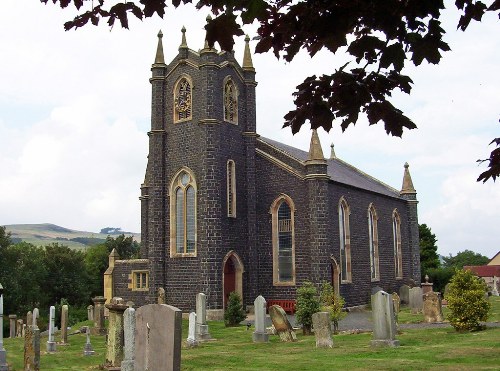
416, 300
90, 313
36, 315
260, 334
87, 349
397, 303
158, 338
12, 325
64, 325
3, 352
161, 296
432, 308
19, 328
191, 339
129, 335
32, 349
51, 344
281, 324
404, 294
202, 333
322, 326
99, 328
29, 318
114, 345
384, 324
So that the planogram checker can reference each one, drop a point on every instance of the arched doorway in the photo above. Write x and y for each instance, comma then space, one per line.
335, 275
232, 276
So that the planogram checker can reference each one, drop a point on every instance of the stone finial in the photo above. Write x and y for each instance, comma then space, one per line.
183, 41
113, 256
247, 56
426, 278
159, 59
205, 46
407, 187
332, 152
315, 151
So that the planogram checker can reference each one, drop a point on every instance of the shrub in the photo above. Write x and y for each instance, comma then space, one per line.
307, 305
234, 312
332, 303
466, 301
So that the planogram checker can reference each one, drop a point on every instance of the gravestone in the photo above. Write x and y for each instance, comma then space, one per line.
29, 318
24, 330
260, 334
36, 315
114, 346
12, 319
99, 328
397, 303
32, 349
90, 313
161, 296
158, 338
202, 333
64, 325
87, 349
191, 339
19, 328
404, 294
416, 300
3, 352
432, 308
129, 340
51, 344
322, 329
384, 324
281, 324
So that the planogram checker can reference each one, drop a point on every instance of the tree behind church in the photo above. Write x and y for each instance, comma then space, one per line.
428, 249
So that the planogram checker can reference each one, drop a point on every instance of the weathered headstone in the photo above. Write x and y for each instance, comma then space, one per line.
36, 315
404, 294
158, 338
322, 329
24, 329
161, 296
90, 313
202, 333
12, 324
3, 352
432, 308
384, 324
99, 328
32, 349
281, 323
51, 344
114, 348
416, 300
397, 303
87, 349
19, 328
29, 318
260, 334
64, 325
129, 339
191, 339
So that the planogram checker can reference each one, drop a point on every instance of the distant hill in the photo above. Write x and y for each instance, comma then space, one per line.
44, 234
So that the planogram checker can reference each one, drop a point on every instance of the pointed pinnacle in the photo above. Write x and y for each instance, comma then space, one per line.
315, 151
407, 187
159, 59
183, 41
247, 56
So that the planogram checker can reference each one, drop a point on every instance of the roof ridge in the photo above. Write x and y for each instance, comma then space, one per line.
265, 141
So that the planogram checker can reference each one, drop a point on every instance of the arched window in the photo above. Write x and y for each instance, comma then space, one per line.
373, 241
398, 255
230, 101
183, 214
183, 100
231, 189
283, 211
345, 241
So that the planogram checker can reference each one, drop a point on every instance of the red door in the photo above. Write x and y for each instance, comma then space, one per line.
229, 279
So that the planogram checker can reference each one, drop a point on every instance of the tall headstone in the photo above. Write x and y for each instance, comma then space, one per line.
202, 333
158, 338
129, 339
90, 312
64, 325
161, 296
433, 311
404, 294
114, 348
3, 353
260, 334
384, 324
12, 324
281, 324
51, 344
416, 300
99, 328
322, 329
191, 339
19, 328
87, 349
36, 315
32, 349
397, 302
29, 318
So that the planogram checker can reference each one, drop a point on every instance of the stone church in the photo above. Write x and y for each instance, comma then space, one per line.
224, 209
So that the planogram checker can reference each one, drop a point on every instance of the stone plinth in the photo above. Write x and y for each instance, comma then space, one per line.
99, 328
114, 349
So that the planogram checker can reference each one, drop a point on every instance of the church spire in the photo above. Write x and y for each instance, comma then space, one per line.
315, 151
247, 56
159, 59
407, 187
183, 41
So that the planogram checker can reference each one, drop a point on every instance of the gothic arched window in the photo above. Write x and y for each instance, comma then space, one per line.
345, 241
373, 242
183, 100
231, 189
230, 102
398, 254
283, 211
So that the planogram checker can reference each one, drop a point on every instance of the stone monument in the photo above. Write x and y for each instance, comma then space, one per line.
202, 333
404, 294
51, 344
87, 349
90, 313
433, 311
114, 348
32, 349
322, 326
64, 325
36, 315
191, 339
12, 325
161, 296
99, 328
281, 324
260, 334
384, 324
129, 340
416, 300
426, 286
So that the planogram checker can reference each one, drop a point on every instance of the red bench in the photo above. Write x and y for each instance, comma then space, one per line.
287, 305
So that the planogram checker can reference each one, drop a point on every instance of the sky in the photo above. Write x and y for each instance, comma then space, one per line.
75, 112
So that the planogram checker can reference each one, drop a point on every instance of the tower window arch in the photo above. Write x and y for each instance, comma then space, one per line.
183, 99
345, 241
283, 224
231, 189
230, 101
398, 254
183, 214
373, 242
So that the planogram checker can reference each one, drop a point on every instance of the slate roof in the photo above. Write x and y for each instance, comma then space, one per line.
339, 171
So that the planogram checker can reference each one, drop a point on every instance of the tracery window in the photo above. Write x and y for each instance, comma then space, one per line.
345, 241
283, 211
373, 241
183, 100
183, 214
230, 102
398, 255
231, 189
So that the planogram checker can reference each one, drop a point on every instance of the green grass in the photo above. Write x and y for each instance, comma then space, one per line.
420, 349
